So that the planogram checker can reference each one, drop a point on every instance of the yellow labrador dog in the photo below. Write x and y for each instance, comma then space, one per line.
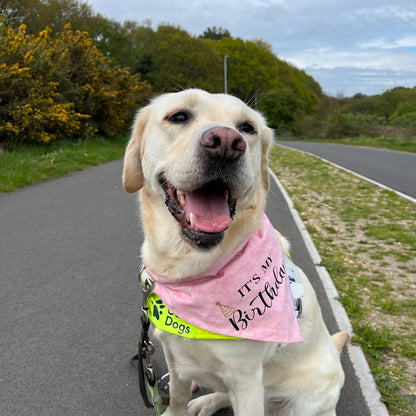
200, 163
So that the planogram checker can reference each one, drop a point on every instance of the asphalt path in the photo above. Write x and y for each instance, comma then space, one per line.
396, 170
69, 298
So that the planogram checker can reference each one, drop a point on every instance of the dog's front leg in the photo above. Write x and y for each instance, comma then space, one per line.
179, 390
247, 393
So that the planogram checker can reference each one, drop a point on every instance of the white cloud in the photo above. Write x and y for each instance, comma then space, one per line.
349, 81
391, 43
376, 59
399, 12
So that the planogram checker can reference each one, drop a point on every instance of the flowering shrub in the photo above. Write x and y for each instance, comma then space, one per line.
61, 87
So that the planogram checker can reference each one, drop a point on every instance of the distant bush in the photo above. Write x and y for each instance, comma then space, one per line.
404, 114
391, 114
341, 124
61, 87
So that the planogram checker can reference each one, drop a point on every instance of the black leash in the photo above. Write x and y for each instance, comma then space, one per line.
147, 379
145, 366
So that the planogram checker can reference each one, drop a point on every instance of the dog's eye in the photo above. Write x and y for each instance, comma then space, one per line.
180, 117
247, 127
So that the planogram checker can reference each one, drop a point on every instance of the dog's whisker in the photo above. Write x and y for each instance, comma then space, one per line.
179, 87
249, 98
259, 100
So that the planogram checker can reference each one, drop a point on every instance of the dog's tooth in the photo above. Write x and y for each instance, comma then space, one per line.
192, 219
181, 197
226, 192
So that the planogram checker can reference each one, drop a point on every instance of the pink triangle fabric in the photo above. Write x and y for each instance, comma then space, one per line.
245, 295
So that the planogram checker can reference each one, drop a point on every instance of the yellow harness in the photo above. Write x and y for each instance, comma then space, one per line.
165, 320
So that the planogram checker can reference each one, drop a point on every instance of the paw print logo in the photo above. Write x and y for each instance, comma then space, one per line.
158, 307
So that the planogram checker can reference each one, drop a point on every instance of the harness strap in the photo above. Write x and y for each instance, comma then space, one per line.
167, 321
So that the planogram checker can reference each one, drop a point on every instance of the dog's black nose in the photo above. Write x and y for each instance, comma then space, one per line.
223, 143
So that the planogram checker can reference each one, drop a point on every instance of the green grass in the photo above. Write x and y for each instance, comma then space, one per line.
390, 143
366, 237
392, 232
31, 164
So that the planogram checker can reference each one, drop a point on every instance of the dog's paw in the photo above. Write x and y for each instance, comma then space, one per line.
169, 412
208, 405
201, 406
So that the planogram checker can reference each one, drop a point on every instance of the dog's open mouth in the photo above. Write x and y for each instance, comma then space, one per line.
204, 213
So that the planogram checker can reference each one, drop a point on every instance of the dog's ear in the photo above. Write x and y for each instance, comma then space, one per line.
266, 141
133, 178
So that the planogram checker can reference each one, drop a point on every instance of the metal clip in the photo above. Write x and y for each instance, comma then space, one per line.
148, 350
147, 287
300, 308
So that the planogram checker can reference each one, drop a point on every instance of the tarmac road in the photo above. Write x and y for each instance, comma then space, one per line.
396, 170
69, 298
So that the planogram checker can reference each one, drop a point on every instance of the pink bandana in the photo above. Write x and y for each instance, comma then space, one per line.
246, 295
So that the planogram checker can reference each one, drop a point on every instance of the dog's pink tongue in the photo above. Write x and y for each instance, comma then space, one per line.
211, 213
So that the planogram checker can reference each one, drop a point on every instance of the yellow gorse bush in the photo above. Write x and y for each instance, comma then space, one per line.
62, 87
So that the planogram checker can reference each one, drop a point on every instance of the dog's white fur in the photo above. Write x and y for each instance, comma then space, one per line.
255, 378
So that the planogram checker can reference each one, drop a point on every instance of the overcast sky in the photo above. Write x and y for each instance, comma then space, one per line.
348, 46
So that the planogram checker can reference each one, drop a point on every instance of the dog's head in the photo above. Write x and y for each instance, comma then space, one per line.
204, 156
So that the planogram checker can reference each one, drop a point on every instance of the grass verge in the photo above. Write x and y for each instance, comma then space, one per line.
37, 163
366, 237
390, 143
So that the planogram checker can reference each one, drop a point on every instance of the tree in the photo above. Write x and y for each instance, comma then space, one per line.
31, 106
142, 42
250, 68
62, 87
178, 61
173, 59
38, 14
215, 33
281, 108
